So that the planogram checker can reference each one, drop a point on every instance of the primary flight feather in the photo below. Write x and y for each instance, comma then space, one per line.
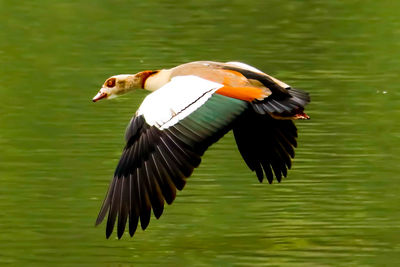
191, 107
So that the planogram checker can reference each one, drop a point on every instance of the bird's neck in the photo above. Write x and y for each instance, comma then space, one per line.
156, 80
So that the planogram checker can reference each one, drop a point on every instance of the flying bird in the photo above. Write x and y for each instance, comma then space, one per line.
192, 106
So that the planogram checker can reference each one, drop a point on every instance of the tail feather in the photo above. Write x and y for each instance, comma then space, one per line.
283, 107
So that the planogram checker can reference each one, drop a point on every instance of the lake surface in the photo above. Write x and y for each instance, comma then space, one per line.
339, 206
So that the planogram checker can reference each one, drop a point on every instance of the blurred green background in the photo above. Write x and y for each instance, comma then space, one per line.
339, 206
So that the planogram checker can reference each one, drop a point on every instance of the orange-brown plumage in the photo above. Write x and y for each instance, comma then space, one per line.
247, 93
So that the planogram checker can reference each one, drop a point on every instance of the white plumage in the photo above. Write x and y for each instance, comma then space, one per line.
244, 66
176, 100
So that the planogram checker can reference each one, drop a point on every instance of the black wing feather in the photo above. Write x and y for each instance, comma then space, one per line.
145, 208
167, 186
106, 203
156, 162
265, 144
114, 207
124, 207
134, 211
156, 199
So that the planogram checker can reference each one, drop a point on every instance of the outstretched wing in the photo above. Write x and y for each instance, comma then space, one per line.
265, 144
164, 143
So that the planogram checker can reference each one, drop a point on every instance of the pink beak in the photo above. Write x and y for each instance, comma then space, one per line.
99, 96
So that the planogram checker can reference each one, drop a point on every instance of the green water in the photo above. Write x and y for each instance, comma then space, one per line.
339, 206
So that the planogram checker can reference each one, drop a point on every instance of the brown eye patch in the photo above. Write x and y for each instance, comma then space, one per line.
110, 82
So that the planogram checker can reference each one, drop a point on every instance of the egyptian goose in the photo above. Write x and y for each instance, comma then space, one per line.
191, 107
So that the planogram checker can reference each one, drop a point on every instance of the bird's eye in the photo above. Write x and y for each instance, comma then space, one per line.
110, 82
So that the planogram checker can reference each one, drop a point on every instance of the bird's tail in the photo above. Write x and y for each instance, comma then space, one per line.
287, 107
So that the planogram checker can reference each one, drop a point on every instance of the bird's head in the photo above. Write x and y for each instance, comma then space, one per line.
121, 84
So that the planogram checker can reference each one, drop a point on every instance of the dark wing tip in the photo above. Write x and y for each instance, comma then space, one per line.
259, 173
120, 235
155, 179
158, 211
98, 221
121, 224
109, 231
133, 222
144, 222
267, 143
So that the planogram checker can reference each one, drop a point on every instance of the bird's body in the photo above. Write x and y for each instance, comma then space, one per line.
191, 107
203, 69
